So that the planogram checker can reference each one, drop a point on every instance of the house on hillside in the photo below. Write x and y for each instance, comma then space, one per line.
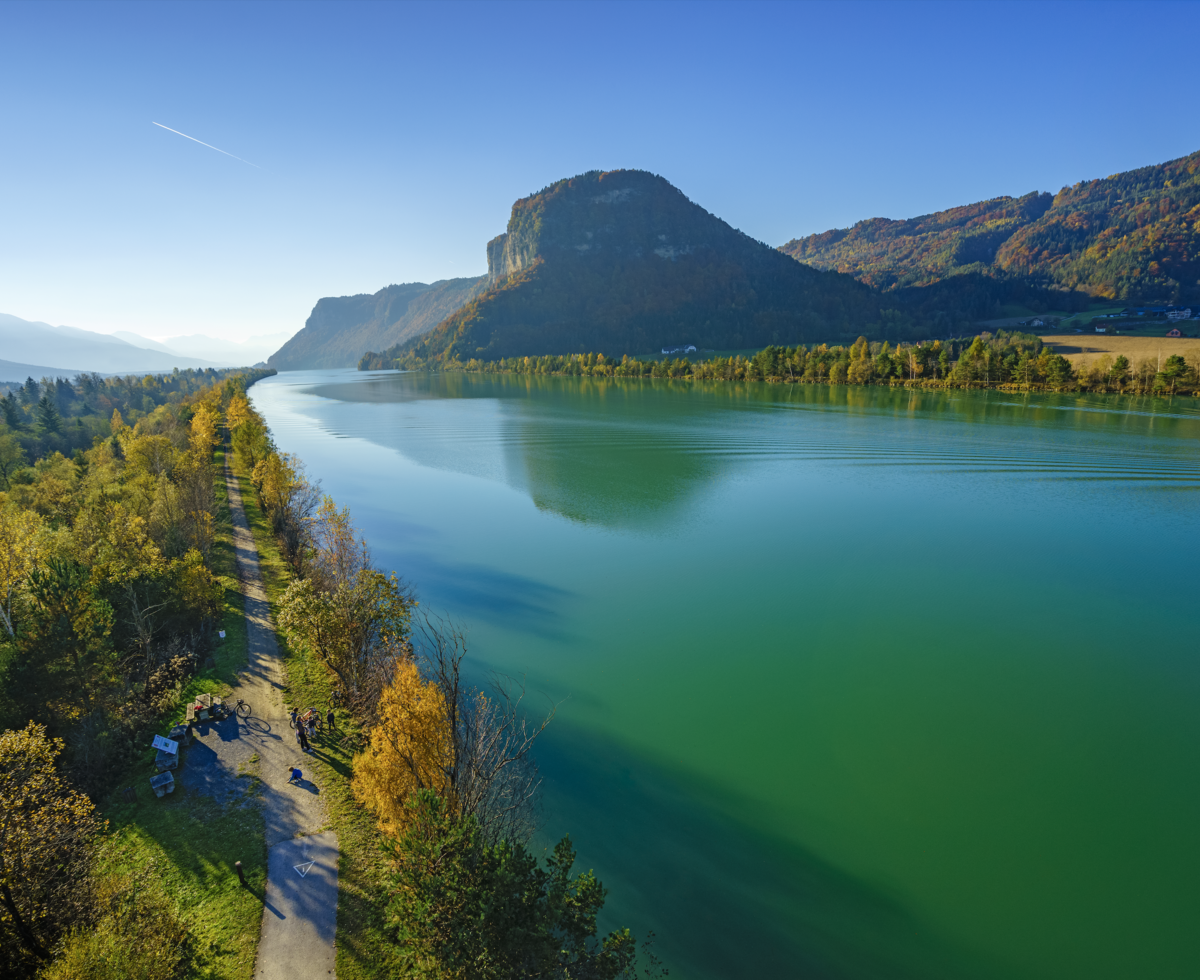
1102, 330
1179, 313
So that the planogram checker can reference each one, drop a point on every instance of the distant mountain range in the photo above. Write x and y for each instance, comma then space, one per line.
227, 353
341, 328
622, 262
1129, 237
33, 348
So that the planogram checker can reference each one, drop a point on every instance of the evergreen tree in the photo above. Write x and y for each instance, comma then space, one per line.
12, 412
47, 415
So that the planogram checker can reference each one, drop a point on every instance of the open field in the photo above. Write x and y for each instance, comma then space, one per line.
1082, 349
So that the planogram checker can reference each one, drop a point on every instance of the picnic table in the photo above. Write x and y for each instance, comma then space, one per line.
162, 784
205, 708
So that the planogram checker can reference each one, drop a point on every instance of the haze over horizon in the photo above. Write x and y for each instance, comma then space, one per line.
388, 143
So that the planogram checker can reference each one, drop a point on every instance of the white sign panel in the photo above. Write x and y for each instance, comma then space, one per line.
165, 744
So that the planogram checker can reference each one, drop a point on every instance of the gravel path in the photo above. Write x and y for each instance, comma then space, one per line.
300, 916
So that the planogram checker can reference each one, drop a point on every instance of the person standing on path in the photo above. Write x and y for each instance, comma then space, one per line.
303, 736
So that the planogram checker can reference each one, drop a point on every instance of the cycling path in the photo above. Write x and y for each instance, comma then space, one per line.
300, 913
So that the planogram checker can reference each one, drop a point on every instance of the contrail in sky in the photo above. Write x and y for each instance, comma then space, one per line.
202, 143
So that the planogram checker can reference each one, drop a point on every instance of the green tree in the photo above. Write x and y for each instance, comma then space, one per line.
1174, 369
12, 457
12, 412
47, 415
355, 627
70, 626
467, 910
1058, 370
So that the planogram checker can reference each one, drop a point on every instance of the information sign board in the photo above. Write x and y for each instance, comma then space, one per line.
165, 744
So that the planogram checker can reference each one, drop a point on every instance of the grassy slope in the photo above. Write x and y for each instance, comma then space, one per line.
364, 953
191, 841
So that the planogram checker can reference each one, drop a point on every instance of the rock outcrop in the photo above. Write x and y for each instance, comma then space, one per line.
341, 328
622, 262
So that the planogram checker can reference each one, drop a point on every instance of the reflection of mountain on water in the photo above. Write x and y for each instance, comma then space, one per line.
620, 453
606, 452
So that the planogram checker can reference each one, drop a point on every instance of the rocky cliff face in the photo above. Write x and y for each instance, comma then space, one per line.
623, 262
341, 328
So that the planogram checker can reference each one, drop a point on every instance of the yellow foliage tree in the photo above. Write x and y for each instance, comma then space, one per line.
273, 477
118, 424
23, 543
409, 749
204, 431
47, 830
149, 455
238, 412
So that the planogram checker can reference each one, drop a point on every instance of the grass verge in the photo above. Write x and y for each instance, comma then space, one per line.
364, 951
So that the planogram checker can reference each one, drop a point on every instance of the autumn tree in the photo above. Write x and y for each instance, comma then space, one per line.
203, 431
22, 546
408, 750
238, 412
290, 501
47, 834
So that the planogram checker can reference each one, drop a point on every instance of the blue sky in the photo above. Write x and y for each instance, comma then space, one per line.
391, 139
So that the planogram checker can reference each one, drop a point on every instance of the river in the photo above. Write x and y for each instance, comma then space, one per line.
852, 682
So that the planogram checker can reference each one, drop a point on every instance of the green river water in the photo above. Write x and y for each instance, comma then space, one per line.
855, 682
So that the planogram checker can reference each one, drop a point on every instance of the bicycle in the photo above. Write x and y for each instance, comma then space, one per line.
242, 708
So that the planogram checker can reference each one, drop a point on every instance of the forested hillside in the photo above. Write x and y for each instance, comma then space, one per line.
340, 328
624, 262
1132, 236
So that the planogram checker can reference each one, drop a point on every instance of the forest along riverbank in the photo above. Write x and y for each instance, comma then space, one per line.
1005, 361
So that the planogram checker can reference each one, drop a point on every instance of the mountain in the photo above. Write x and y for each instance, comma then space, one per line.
11, 371
890, 254
1129, 237
227, 353
622, 262
37, 343
341, 328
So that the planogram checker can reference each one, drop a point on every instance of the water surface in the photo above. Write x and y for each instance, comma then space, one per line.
854, 682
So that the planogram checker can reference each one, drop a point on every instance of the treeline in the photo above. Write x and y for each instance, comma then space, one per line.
447, 769
63, 414
109, 597
1001, 360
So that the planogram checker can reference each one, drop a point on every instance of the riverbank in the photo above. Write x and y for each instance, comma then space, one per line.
1005, 362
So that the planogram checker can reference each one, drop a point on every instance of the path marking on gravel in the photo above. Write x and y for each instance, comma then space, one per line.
300, 917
